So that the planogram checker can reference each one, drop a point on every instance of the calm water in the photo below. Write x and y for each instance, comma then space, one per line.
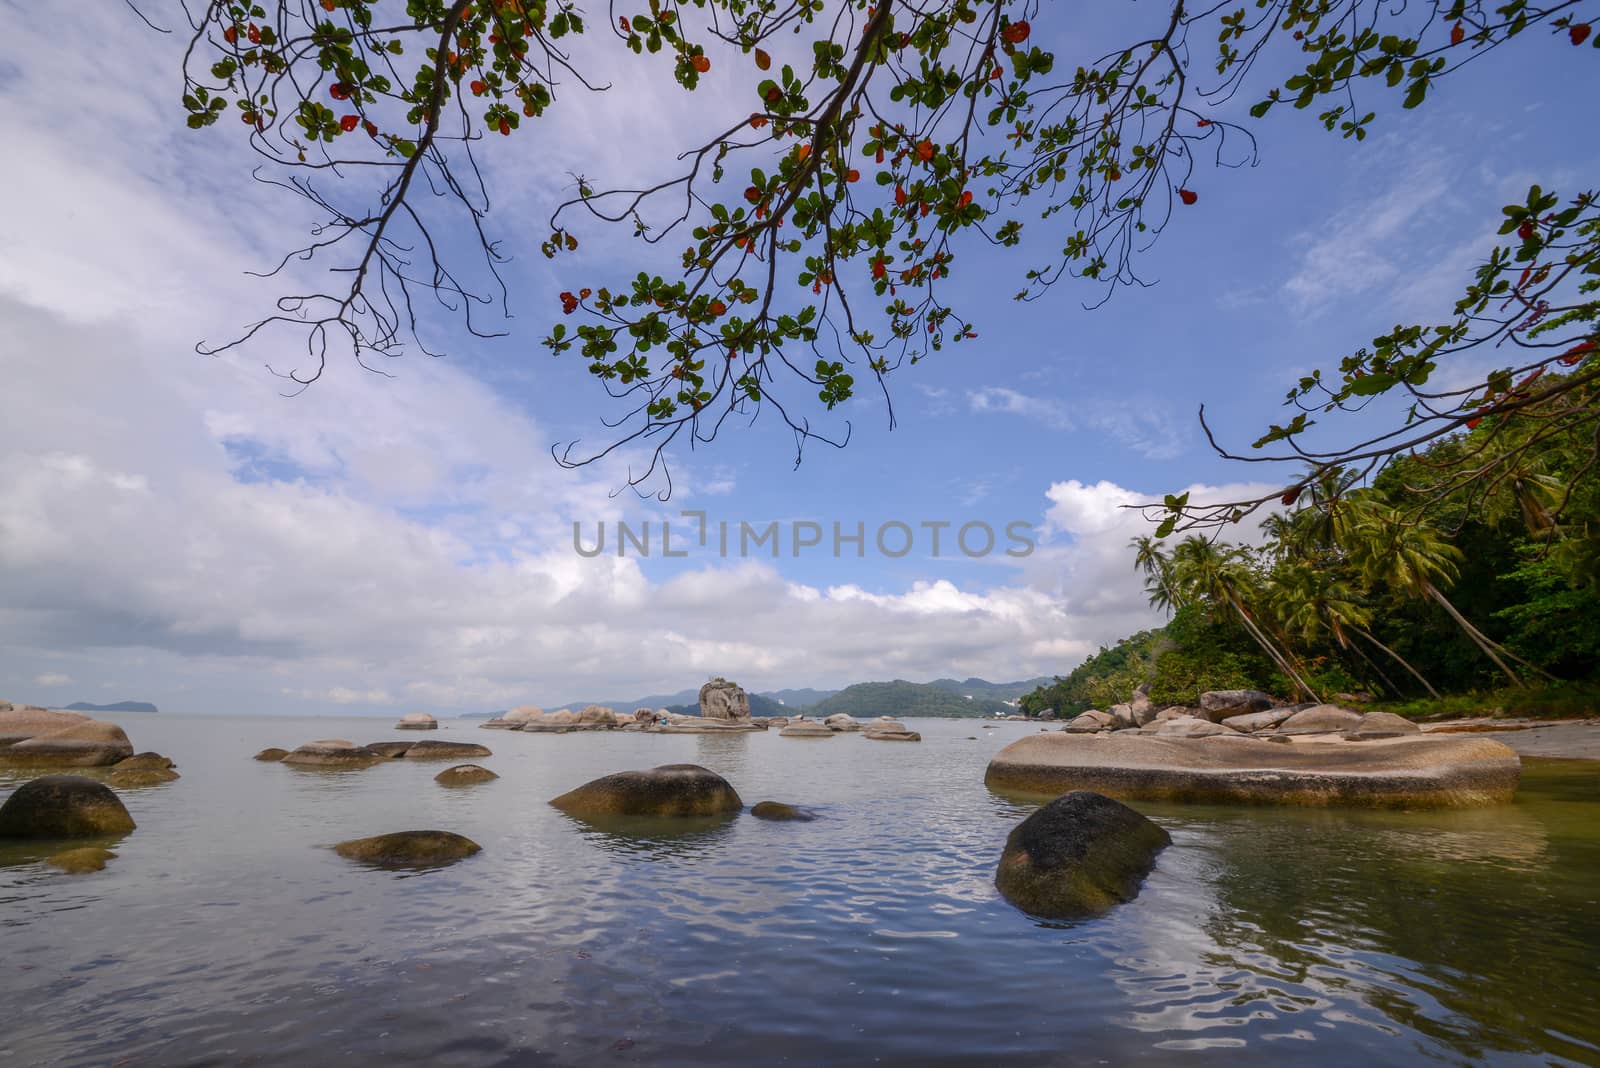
223, 935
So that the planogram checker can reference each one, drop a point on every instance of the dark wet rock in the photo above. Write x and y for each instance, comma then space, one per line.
272, 753
1218, 705
805, 728
1321, 718
409, 849
145, 762
90, 743
63, 806
81, 861
389, 750
135, 778
1078, 856
669, 790
777, 810
417, 721
333, 753
464, 775
1419, 771
436, 750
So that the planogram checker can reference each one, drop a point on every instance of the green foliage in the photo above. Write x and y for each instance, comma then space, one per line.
1202, 654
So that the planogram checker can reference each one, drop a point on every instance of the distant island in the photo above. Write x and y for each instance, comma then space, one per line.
120, 706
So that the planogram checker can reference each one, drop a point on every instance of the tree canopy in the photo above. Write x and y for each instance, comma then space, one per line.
819, 228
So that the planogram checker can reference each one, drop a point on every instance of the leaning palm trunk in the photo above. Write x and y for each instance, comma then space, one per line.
1397, 658
1271, 650
1479, 639
1345, 643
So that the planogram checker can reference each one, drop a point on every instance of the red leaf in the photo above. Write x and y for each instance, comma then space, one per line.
1188, 196
1579, 33
1458, 34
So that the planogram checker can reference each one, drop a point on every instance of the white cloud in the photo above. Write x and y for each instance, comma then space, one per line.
52, 679
998, 399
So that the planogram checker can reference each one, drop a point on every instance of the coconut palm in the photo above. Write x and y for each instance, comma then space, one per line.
1149, 558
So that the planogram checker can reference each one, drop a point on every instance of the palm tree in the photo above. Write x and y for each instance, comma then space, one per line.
1149, 558
1203, 571
1411, 556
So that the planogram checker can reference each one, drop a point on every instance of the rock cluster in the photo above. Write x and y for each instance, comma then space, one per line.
885, 729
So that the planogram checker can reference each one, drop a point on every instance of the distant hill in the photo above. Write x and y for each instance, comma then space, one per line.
120, 706
655, 700
994, 691
902, 698
794, 699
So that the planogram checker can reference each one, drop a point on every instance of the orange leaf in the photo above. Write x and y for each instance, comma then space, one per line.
763, 61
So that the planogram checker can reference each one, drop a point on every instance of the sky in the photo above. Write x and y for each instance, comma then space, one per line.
173, 529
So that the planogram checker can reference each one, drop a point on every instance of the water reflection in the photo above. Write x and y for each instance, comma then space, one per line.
652, 838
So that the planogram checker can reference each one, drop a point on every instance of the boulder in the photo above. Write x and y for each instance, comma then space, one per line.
1417, 771
1078, 856
1089, 722
18, 723
884, 729
1121, 717
145, 762
1140, 705
805, 728
389, 750
1258, 721
1047, 716
63, 806
417, 721
841, 721
409, 849
1321, 719
333, 753
464, 775
777, 810
87, 744
134, 778
1385, 725
1172, 712
81, 861
721, 699
1218, 705
271, 753
1191, 727
669, 790
596, 716
435, 750
523, 714
644, 715
561, 717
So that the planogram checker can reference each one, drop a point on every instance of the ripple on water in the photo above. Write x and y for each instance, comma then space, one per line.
222, 933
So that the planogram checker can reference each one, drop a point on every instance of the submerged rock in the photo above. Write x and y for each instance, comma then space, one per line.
417, 721
1078, 856
145, 762
669, 790
81, 861
134, 778
464, 775
333, 753
87, 744
1419, 771
409, 849
271, 753
777, 810
63, 806
805, 728
436, 750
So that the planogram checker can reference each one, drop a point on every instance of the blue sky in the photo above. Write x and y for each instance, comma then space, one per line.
171, 529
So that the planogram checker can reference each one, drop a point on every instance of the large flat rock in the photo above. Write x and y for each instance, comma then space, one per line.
1408, 772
